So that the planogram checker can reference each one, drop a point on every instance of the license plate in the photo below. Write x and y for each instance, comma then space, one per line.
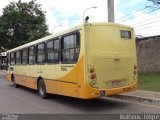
116, 83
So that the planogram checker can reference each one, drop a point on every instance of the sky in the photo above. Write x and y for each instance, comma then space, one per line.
68, 13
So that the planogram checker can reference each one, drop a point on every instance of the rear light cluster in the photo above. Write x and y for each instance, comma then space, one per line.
92, 77
135, 72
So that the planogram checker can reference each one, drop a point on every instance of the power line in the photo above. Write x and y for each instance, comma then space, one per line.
140, 22
139, 15
149, 23
147, 27
131, 14
155, 3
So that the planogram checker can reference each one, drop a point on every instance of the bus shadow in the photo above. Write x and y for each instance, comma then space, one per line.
97, 104
90, 105
25, 89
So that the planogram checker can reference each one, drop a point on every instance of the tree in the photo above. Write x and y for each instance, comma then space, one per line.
22, 22
156, 2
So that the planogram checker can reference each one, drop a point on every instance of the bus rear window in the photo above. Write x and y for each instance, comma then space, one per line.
125, 34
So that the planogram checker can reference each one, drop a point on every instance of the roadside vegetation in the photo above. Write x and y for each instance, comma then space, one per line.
22, 22
149, 81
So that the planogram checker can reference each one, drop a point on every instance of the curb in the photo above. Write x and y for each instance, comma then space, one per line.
138, 99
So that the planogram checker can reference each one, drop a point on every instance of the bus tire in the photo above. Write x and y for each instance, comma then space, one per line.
42, 89
14, 82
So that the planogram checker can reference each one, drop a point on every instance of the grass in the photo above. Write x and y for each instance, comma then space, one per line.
149, 81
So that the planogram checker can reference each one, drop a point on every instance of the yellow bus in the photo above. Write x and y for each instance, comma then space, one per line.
87, 61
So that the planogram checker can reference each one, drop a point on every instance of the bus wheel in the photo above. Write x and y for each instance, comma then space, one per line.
14, 82
42, 89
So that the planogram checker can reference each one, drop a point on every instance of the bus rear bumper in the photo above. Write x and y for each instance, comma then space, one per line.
128, 88
89, 92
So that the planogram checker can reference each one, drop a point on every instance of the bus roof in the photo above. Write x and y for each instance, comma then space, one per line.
65, 32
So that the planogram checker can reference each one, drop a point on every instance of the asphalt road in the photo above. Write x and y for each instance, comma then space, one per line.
23, 100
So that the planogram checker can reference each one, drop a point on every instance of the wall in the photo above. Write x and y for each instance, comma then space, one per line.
148, 54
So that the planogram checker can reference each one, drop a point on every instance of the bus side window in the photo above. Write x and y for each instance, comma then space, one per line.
18, 57
53, 51
32, 55
70, 48
13, 60
56, 51
41, 59
8, 59
50, 54
25, 56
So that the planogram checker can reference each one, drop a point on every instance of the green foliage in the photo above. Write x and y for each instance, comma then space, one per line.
149, 81
22, 22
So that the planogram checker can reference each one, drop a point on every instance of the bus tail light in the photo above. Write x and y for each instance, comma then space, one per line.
92, 76
135, 67
91, 70
135, 72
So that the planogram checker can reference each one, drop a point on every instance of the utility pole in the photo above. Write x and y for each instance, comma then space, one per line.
110, 10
